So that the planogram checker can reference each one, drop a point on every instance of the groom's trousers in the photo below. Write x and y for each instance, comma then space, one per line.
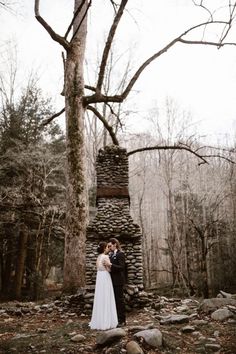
120, 303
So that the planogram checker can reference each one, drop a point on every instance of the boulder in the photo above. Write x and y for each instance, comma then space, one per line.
174, 319
152, 337
110, 336
210, 305
133, 347
221, 314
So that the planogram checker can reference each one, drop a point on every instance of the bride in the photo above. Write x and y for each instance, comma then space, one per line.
104, 315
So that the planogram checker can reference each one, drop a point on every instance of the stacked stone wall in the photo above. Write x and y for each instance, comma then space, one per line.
112, 167
113, 220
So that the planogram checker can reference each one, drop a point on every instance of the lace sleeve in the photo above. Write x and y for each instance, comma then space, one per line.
107, 263
103, 262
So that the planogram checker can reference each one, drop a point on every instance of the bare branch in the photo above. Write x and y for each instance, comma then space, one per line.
105, 123
166, 147
213, 148
200, 233
218, 45
182, 147
47, 121
233, 150
56, 37
74, 17
108, 44
91, 88
6, 6
164, 50
99, 97
144, 65
82, 19
114, 114
204, 8
221, 157
114, 5
230, 21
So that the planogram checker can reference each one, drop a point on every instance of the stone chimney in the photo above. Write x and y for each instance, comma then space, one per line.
113, 220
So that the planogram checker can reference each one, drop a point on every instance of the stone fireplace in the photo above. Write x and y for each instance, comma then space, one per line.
113, 219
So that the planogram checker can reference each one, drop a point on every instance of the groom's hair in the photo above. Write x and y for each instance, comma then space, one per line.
115, 241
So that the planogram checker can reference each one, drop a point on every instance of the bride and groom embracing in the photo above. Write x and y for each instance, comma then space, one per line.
108, 306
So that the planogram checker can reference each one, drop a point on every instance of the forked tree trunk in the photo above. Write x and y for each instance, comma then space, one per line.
74, 265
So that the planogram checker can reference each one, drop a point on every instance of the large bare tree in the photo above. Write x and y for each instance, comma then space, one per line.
74, 266
76, 103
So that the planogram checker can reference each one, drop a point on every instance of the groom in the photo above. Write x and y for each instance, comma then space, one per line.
117, 259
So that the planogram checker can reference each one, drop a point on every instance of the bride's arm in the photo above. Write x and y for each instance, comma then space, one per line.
107, 264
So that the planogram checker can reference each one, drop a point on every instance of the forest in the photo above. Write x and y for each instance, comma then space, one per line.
182, 190
186, 210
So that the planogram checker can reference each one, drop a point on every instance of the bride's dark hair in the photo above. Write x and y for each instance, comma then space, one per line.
101, 247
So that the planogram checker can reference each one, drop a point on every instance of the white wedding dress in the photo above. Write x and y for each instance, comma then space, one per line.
104, 315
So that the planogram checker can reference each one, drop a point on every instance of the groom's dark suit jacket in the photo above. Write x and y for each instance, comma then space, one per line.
118, 268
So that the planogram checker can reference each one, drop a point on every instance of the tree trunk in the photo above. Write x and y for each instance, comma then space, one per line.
7, 269
31, 268
20, 262
74, 265
205, 288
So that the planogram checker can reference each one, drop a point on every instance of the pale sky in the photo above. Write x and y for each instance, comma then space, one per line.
200, 79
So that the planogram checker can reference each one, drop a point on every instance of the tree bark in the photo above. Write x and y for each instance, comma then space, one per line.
20, 262
205, 288
7, 264
74, 266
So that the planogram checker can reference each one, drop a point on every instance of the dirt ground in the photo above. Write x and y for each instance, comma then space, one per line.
51, 333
